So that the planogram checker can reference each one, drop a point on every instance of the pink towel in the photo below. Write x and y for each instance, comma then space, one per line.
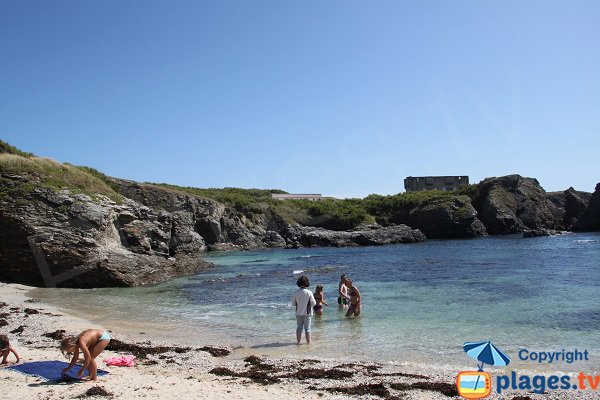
122, 361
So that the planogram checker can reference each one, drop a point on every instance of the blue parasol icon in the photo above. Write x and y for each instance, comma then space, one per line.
487, 353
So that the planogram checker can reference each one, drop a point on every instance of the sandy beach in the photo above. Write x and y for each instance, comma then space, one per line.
168, 370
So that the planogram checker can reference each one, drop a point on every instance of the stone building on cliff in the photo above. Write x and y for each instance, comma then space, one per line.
446, 183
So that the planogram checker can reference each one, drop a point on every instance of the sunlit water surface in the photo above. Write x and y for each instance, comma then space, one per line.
421, 301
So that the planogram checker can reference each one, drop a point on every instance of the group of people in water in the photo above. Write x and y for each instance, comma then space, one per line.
307, 303
90, 343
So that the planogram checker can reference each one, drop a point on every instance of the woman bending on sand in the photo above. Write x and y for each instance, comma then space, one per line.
91, 342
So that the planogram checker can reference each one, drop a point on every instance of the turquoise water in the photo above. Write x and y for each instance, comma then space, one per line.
421, 301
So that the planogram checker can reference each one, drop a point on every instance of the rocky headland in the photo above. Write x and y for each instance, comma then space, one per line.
62, 225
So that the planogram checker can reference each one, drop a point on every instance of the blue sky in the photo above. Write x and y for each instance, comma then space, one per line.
344, 98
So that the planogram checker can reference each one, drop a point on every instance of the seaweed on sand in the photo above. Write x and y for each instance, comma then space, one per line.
18, 330
215, 351
320, 373
56, 335
95, 391
444, 388
257, 376
257, 364
143, 351
373, 389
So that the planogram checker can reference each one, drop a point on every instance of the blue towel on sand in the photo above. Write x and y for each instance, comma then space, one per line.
50, 370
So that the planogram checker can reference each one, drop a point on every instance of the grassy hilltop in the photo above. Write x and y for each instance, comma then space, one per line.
335, 214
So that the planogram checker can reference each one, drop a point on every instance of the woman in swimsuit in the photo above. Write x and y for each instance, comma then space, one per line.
355, 299
91, 342
320, 299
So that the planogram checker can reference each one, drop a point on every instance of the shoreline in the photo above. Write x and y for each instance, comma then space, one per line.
244, 374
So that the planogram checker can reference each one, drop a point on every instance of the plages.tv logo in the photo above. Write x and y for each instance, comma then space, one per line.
478, 384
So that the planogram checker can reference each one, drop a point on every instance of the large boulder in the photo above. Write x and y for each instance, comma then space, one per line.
513, 203
447, 217
58, 238
589, 220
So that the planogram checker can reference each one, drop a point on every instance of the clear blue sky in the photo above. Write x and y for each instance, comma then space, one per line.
343, 98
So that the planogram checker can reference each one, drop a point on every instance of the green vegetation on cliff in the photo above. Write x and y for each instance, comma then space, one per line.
330, 213
37, 172
6, 148
335, 214
246, 201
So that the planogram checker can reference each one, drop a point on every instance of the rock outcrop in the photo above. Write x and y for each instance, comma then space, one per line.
57, 238
306, 236
570, 205
589, 220
513, 203
150, 233
529, 233
61, 238
452, 217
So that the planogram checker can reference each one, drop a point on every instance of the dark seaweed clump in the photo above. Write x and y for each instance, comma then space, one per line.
215, 351
255, 375
373, 389
320, 373
18, 330
95, 391
56, 335
143, 351
444, 388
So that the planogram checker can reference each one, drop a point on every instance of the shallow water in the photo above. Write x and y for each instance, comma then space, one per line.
421, 301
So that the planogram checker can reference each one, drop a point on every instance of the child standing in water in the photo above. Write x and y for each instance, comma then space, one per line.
304, 301
91, 342
342, 292
320, 299
6, 349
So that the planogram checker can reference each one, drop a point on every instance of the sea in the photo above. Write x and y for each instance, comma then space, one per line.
421, 302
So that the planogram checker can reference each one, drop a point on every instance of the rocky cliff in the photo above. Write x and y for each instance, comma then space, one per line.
57, 238
513, 203
452, 217
62, 225
63, 238
589, 220
570, 205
